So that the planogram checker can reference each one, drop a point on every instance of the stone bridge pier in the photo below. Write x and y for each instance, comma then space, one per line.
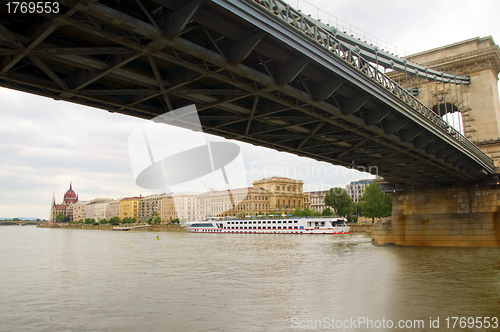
462, 214
447, 217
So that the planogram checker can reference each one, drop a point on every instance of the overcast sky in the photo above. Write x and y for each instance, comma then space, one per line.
45, 144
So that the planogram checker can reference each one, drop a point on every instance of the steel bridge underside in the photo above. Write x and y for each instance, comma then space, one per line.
252, 77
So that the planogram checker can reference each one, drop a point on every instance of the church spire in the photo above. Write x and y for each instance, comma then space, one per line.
70, 185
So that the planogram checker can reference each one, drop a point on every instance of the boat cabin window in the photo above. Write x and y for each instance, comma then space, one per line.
295, 221
279, 222
322, 223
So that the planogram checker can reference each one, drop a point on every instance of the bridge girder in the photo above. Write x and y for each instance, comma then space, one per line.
250, 82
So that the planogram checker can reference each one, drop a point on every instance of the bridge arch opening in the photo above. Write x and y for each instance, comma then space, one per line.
443, 109
452, 115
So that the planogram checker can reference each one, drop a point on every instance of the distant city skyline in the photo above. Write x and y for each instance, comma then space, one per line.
46, 144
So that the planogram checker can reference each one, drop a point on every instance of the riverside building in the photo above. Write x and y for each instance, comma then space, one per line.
129, 207
166, 207
356, 189
97, 209
66, 207
148, 206
318, 200
278, 194
114, 208
284, 194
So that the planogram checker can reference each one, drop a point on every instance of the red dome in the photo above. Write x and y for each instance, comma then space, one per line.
70, 196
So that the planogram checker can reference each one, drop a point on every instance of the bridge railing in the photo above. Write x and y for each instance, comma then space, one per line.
352, 55
320, 32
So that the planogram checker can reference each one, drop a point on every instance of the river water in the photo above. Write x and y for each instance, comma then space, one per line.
89, 280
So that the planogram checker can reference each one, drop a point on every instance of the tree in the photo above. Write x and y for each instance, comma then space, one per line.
374, 203
155, 219
358, 209
128, 220
60, 218
308, 212
175, 221
114, 221
89, 221
327, 212
103, 221
338, 199
297, 212
304, 213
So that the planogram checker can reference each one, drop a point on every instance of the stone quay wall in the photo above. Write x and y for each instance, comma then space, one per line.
155, 228
453, 217
361, 227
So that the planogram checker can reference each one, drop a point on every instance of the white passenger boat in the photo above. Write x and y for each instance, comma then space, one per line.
271, 226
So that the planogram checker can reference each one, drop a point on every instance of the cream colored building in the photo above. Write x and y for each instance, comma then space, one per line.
202, 206
238, 202
101, 208
284, 194
318, 200
166, 208
185, 206
114, 208
79, 210
97, 209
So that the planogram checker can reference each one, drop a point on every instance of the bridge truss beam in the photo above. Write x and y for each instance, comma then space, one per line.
252, 76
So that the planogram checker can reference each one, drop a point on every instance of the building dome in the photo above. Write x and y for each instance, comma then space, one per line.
70, 196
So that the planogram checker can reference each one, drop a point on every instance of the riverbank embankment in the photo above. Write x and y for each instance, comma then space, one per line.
155, 228
354, 228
